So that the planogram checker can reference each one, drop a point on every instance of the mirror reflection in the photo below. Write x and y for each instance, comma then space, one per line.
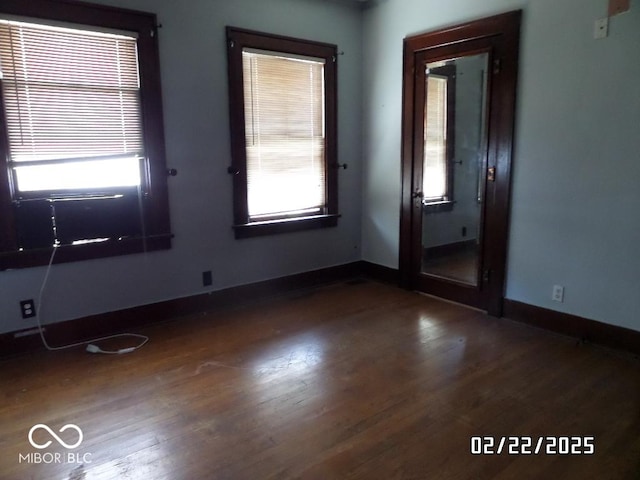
453, 162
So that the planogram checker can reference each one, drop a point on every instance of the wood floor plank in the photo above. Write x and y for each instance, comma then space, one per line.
357, 380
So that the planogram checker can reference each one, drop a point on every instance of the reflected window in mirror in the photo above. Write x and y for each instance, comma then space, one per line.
439, 139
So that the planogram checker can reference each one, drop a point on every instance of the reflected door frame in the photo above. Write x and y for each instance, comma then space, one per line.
499, 37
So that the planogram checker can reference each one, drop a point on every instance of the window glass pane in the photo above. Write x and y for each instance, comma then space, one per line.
121, 172
435, 141
285, 137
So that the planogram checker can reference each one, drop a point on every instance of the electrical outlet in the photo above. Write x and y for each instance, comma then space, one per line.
558, 293
207, 279
28, 308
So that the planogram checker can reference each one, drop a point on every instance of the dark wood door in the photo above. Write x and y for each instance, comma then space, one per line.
458, 115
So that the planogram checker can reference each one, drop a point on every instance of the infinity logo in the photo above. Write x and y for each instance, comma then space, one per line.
59, 440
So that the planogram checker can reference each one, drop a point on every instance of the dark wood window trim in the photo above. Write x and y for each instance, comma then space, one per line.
237, 40
154, 199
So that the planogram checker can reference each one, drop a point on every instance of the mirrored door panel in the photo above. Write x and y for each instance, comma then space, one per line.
453, 163
459, 90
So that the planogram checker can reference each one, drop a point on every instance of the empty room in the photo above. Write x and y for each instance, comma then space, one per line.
319, 239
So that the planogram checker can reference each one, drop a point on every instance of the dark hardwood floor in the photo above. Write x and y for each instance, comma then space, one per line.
459, 266
357, 380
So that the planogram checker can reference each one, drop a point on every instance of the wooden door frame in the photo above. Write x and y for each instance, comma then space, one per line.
501, 121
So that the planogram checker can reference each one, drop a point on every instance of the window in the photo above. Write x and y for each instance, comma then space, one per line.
439, 128
82, 139
283, 126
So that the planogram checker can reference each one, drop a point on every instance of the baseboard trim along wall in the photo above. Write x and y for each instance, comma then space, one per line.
584, 329
380, 273
72, 331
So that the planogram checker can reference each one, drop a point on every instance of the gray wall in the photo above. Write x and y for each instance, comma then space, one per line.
576, 194
194, 77
575, 203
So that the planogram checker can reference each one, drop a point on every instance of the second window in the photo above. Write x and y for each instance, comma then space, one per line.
283, 127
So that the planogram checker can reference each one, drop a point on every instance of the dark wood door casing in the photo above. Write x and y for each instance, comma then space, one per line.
498, 36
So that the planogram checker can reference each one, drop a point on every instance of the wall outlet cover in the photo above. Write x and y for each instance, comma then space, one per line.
207, 278
28, 308
558, 293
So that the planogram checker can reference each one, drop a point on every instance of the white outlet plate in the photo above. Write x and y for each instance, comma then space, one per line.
601, 28
558, 293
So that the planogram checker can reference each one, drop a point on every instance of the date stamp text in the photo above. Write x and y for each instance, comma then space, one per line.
543, 445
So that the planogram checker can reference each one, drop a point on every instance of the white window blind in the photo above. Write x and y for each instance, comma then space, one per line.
434, 176
285, 135
72, 106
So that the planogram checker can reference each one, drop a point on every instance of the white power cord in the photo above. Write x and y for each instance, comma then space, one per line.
91, 348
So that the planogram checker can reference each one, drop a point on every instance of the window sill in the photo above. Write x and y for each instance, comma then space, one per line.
438, 206
286, 225
88, 251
